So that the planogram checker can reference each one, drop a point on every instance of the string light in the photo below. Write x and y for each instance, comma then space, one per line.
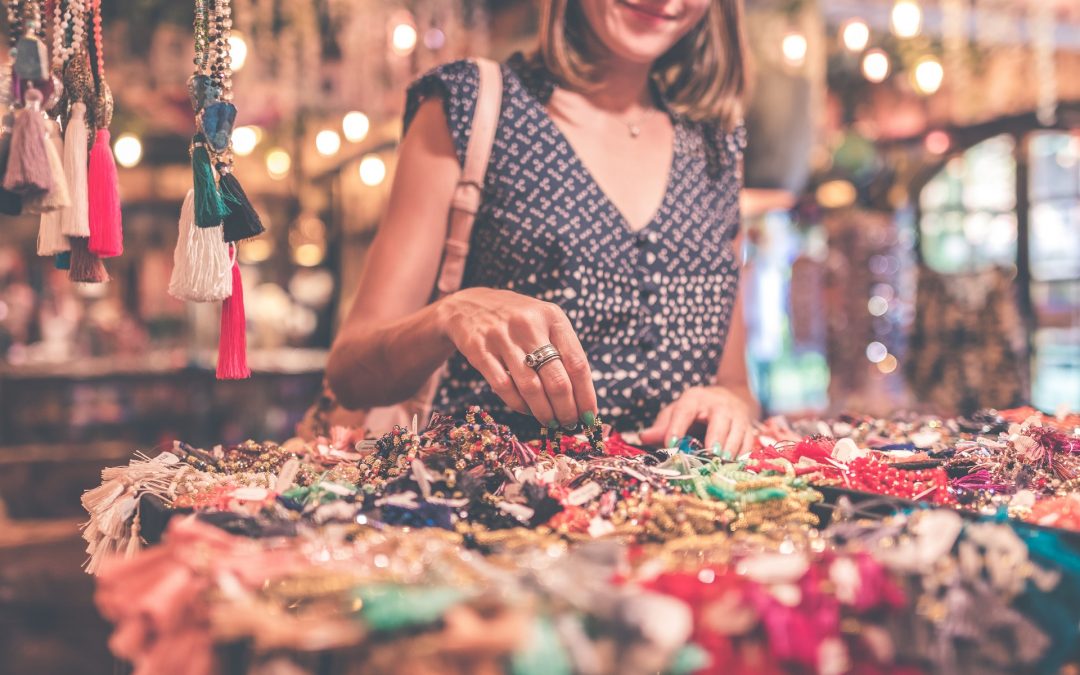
356, 126
906, 18
887, 364
877, 306
937, 142
875, 65
128, 150
244, 140
876, 352
402, 33
372, 170
278, 163
855, 35
327, 142
927, 75
794, 48
238, 50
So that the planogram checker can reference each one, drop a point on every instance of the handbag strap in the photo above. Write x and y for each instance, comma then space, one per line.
469, 190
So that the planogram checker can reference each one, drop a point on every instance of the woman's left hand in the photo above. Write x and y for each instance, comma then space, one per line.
728, 420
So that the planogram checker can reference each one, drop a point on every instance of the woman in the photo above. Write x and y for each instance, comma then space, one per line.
607, 230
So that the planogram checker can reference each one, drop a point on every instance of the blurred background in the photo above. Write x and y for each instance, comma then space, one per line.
912, 209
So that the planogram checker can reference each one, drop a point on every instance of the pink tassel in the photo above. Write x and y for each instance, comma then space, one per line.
28, 171
103, 192
232, 344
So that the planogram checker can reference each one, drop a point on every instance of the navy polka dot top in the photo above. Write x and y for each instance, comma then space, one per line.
652, 307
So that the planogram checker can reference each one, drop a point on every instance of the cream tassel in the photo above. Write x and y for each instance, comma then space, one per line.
51, 239
75, 221
202, 267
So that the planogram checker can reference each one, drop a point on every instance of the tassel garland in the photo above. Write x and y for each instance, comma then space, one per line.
201, 264
210, 209
232, 343
85, 267
75, 221
103, 192
28, 166
243, 221
51, 202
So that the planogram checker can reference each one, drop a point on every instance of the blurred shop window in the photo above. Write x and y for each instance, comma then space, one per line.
1054, 257
968, 210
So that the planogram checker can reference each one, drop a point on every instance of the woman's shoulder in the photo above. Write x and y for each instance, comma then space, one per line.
456, 84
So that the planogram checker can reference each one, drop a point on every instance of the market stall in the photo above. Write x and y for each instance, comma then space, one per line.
951, 546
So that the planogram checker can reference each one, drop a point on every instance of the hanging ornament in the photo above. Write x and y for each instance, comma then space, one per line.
103, 187
216, 210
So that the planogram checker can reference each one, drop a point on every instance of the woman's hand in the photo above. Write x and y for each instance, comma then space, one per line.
495, 329
729, 420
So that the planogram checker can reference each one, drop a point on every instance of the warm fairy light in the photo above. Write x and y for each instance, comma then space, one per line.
356, 126
256, 250
244, 140
887, 364
835, 194
794, 48
372, 170
877, 305
434, 38
876, 352
278, 163
403, 38
906, 18
928, 75
309, 254
127, 150
238, 50
875, 65
855, 34
937, 142
327, 142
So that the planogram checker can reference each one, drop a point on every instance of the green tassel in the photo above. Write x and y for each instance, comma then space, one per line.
62, 261
210, 208
387, 608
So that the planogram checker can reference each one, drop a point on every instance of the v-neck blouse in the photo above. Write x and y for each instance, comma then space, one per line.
651, 307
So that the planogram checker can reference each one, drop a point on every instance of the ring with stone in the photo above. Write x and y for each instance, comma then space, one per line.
537, 358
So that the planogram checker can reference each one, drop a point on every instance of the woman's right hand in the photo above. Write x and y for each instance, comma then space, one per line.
495, 329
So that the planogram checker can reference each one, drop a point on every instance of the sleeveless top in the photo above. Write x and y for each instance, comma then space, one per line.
651, 307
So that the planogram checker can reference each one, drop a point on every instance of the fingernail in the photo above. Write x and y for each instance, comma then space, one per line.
727, 456
673, 441
588, 418
716, 449
553, 425
570, 427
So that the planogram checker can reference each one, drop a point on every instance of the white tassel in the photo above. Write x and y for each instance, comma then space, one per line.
202, 267
57, 197
75, 221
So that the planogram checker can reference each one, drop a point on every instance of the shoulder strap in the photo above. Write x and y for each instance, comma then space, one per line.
469, 189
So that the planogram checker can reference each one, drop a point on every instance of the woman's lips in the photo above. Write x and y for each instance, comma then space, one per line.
646, 12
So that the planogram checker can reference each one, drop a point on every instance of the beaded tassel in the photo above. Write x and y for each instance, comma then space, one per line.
75, 221
243, 221
201, 264
210, 209
85, 267
232, 343
28, 171
57, 198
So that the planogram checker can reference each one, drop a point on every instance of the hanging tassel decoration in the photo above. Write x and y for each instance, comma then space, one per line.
210, 209
85, 267
62, 261
75, 221
10, 202
103, 192
243, 221
200, 261
58, 197
28, 165
232, 343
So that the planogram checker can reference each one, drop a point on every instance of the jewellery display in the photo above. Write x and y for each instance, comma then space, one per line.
440, 547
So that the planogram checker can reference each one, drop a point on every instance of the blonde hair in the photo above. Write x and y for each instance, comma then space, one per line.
703, 76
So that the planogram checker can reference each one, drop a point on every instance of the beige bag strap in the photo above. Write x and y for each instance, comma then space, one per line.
469, 190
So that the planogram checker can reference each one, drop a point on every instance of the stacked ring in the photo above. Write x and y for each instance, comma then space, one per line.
537, 358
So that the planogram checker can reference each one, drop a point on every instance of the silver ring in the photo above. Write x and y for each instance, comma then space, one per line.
541, 356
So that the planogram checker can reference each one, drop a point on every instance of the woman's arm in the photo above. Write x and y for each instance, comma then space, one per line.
392, 341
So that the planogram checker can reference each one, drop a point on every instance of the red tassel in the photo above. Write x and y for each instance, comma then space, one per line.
232, 344
103, 192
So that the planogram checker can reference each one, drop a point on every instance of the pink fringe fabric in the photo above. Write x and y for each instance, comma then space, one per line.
232, 343
103, 192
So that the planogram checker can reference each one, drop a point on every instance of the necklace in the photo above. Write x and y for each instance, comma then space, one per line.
635, 127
